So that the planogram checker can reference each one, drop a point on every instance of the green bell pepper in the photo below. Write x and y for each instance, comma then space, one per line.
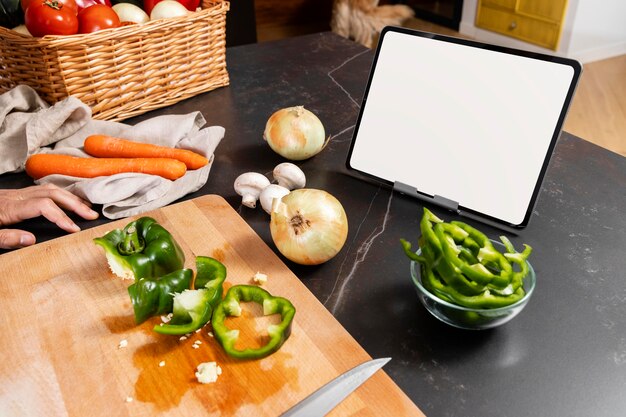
155, 296
143, 249
461, 265
278, 333
192, 309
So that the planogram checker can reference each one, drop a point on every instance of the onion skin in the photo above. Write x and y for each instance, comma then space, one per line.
308, 226
295, 133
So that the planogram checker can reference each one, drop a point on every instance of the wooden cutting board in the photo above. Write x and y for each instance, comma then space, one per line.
64, 315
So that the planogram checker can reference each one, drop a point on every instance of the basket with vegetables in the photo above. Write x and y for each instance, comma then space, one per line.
122, 58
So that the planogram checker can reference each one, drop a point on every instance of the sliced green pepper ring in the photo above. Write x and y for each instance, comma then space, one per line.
458, 267
428, 234
482, 301
486, 254
519, 258
229, 306
406, 246
433, 249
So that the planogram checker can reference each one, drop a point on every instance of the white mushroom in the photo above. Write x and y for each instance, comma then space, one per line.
268, 195
249, 186
289, 176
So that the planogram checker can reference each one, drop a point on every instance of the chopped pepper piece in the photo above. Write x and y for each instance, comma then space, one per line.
193, 308
143, 249
461, 265
210, 273
229, 306
154, 296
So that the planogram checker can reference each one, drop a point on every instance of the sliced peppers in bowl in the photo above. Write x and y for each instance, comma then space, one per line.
465, 279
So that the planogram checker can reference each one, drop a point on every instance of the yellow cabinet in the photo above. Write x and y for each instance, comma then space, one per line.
535, 21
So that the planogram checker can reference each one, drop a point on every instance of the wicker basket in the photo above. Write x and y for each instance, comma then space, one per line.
125, 71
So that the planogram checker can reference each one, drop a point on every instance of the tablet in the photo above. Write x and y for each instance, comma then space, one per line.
466, 125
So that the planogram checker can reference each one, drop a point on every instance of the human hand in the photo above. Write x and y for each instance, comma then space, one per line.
40, 200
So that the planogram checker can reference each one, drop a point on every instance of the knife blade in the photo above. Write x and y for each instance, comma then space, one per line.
322, 401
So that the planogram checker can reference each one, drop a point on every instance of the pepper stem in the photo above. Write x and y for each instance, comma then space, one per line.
132, 242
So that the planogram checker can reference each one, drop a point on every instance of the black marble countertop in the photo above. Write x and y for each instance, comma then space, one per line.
564, 355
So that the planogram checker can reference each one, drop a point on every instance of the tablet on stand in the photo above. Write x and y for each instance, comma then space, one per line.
461, 124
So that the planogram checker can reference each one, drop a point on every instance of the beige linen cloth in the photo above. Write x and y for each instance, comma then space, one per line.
28, 125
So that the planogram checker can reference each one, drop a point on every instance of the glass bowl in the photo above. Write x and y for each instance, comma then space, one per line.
471, 318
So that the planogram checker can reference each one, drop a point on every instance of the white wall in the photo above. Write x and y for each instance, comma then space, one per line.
599, 30
592, 30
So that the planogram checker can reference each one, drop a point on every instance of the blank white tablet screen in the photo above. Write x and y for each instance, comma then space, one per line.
468, 124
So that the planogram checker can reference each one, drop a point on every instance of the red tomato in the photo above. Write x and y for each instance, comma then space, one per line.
51, 17
97, 17
148, 5
190, 5
67, 3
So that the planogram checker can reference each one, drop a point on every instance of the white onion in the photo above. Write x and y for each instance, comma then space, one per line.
308, 226
128, 12
168, 8
295, 133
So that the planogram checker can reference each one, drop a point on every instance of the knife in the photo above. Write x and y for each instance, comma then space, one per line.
322, 401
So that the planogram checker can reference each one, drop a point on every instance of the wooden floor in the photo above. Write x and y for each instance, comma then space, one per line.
598, 111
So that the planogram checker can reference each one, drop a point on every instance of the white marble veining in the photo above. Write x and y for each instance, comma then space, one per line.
337, 83
342, 281
351, 262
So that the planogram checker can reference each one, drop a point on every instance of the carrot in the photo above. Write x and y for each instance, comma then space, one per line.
110, 147
40, 165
